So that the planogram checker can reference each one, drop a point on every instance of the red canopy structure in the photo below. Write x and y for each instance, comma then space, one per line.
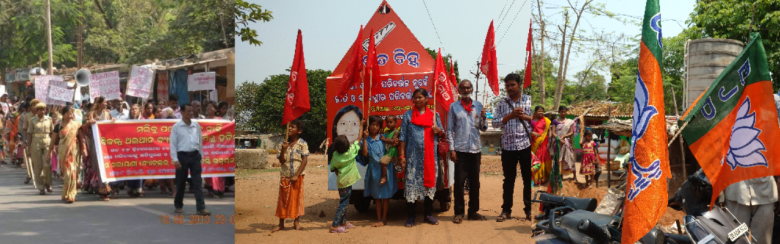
405, 66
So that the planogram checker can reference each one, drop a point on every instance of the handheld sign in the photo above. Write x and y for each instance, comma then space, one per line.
104, 84
140, 82
201, 81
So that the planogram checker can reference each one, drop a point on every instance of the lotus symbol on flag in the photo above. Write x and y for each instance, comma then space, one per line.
643, 112
655, 24
744, 145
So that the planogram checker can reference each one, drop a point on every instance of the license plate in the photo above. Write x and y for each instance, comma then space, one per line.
738, 232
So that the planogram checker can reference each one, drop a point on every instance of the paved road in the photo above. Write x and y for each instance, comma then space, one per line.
26, 217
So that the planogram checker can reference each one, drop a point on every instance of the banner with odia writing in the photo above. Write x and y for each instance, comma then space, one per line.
140, 149
201, 81
104, 84
140, 82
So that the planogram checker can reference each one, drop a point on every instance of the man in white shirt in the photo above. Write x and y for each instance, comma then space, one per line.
186, 153
119, 113
85, 95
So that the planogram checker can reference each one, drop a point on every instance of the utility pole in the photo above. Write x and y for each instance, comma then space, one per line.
80, 41
48, 32
541, 55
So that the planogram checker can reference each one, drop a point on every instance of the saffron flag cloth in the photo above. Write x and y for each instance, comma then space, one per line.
352, 74
443, 89
529, 51
646, 197
297, 101
732, 127
372, 68
488, 64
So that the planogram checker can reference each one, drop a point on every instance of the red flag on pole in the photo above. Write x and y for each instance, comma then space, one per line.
297, 101
372, 67
452, 74
443, 93
529, 52
488, 63
351, 76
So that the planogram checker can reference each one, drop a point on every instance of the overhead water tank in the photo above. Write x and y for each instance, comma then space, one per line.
707, 58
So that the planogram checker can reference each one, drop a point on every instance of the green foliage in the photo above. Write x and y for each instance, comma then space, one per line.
261, 105
114, 31
731, 19
250, 12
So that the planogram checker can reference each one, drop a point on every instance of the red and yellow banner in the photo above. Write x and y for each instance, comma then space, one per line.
140, 149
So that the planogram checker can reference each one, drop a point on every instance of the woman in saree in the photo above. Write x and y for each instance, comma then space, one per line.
564, 131
540, 144
68, 140
99, 112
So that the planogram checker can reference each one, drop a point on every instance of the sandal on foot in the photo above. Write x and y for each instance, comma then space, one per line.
458, 219
410, 222
349, 226
431, 220
477, 216
339, 230
503, 216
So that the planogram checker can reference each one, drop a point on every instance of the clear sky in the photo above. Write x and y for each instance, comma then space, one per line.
329, 29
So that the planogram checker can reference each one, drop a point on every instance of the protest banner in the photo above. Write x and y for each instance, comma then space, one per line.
201, 81
42, 86
140, 149
59, 94
104, 84
140, 82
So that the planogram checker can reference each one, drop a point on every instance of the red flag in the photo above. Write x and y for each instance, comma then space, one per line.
372, 67
488, 63
443, 93
297, 101
452, 74
351, 76
528, 49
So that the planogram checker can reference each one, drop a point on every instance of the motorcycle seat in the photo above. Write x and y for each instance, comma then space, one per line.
588, 204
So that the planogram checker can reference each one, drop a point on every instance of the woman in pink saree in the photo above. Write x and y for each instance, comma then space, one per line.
564, 129
539, 145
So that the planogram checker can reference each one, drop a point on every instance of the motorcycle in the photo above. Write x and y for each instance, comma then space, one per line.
572, 220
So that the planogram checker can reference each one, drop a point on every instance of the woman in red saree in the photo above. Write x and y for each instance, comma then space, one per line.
539, 145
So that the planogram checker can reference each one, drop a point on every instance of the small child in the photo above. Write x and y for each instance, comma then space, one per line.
589, 157
390, 138
376, 184
293, 157
343, 164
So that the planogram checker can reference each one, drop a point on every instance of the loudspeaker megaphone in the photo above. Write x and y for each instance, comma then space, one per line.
82, 77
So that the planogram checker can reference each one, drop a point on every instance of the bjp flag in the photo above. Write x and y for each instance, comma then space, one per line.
732, 127
646, 196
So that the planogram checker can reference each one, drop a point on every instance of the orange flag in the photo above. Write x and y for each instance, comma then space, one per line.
646, 195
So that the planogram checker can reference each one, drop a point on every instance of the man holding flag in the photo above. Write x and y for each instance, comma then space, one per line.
732, 129
646, 195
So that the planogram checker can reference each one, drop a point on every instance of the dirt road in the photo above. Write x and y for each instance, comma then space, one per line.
258, 192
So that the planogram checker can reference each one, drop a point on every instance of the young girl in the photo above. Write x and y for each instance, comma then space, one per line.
589, 159
376, 187
343, 164
390, 138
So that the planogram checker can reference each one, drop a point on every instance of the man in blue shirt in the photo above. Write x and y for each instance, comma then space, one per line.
464, 121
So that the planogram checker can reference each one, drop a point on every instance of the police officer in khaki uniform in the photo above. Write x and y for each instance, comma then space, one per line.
24, 120
39, 129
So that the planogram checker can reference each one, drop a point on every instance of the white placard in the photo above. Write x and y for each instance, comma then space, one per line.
44, 83
140, 82
104, 84
59, 95
201, 81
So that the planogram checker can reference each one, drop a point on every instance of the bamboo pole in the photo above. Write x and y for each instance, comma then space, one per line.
370, 85
609, 151
682, 148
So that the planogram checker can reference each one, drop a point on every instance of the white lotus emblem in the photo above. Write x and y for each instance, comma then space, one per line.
744, 145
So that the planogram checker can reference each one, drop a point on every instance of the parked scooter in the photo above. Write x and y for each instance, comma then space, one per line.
571, 220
